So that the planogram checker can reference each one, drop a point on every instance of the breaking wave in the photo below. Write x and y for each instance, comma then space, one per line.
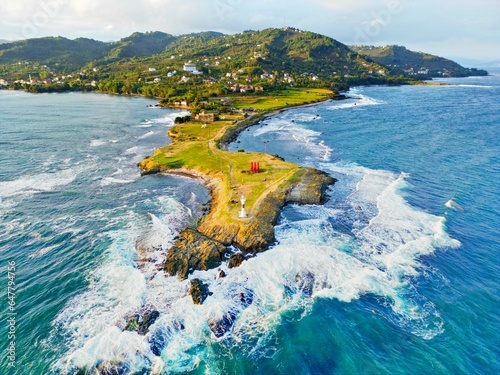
366, 242
368, 246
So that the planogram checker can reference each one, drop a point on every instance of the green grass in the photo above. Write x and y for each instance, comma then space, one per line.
194, 147
282, 98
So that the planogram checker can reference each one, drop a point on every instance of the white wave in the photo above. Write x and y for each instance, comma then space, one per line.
399, 234
359, 100
379, 256
97, 142
44, 250
454, 205
148, 134
92, 322
90, 318
42, 182
106, 181
477, 86
131, 150
284, 130
169, 119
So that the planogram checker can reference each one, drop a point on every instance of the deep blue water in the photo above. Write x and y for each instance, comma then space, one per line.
396, 274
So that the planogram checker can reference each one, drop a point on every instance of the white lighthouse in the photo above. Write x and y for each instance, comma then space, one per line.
243, 213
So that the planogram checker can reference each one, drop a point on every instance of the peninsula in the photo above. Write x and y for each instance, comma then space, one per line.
266, 182
228, 82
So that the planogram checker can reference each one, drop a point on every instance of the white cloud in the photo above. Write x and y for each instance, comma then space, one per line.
422, 22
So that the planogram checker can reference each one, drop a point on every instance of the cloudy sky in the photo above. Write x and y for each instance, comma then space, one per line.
459, 29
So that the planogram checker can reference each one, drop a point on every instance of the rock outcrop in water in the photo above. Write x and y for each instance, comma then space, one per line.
193, 251
223, 324
141, 322
199, 291
235, 260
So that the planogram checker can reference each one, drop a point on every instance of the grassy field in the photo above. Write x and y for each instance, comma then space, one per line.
280, 99
194, 148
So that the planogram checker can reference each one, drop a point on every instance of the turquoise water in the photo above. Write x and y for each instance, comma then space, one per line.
396, 274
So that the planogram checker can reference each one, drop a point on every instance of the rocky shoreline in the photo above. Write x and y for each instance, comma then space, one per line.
206, 246
214, 241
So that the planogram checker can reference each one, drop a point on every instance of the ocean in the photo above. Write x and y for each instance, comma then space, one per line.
397, 273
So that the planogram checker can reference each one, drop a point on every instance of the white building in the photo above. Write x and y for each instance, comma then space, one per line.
190, 68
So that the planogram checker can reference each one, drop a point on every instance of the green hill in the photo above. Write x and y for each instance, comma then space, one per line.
401, 60
272, 53
273, 50
153, 64
140, 44
61, 53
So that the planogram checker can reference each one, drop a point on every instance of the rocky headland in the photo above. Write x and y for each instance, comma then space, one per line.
226, 176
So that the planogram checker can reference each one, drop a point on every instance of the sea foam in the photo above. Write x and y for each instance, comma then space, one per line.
377, 256
38, 183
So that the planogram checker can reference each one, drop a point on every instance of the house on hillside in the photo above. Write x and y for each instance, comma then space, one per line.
190, 68
205, 117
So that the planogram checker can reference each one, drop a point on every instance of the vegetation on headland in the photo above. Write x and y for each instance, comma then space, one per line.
228, 82
197, 150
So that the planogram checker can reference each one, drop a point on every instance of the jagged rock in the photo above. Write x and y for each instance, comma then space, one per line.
235, 260
193, 251
109, 368
246, 299
305, 282
141, 322
199, 291
203, 249
220, 326
223, 325
311, 187
222, 274
257, 235
160, 338
148, 167
225, 234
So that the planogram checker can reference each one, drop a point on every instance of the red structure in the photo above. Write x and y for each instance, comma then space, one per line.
254, 167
